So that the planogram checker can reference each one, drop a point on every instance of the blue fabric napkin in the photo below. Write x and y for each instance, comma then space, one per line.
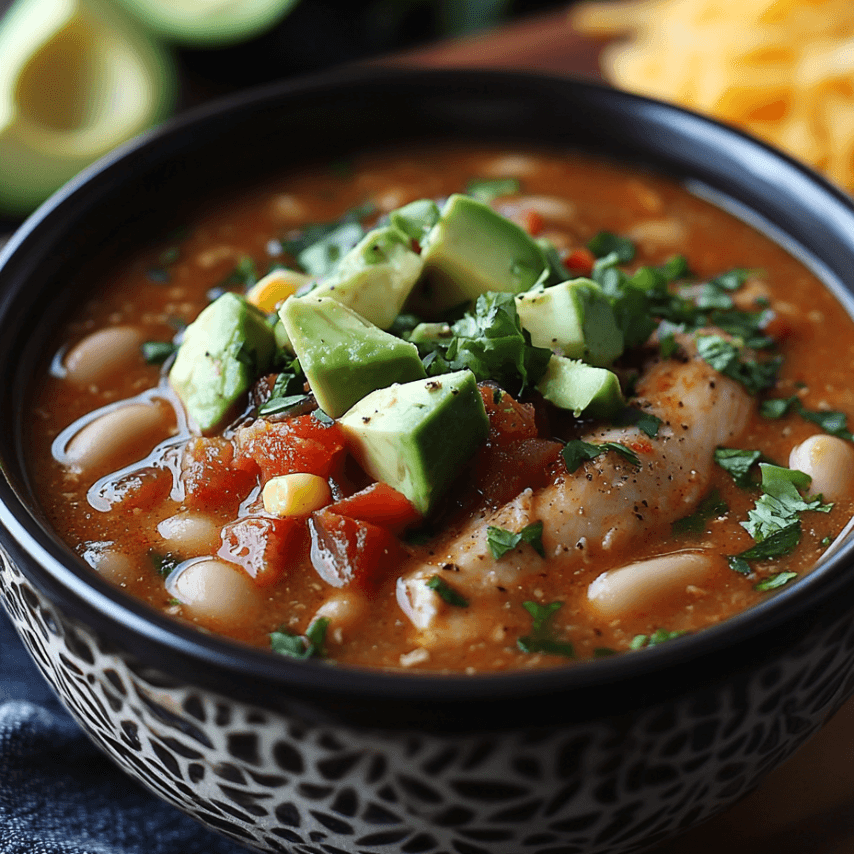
60, 795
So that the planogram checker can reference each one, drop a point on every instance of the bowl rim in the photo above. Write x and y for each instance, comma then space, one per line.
95, 602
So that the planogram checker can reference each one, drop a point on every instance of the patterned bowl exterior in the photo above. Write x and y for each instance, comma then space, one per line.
306, 759
283, 783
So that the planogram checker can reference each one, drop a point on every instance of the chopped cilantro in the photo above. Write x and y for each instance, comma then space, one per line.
667, 344
646, 422
738, 463
540, 639
780, 504
775, 581
657, 637
488, 189
732, 280
446, 592
739, 565
576, 452
163, 563
322, 417
605, 243
157, 352
781, 542
728, 357
278, 405
501, 541
301, 646
832, 422
710, 507
491, 343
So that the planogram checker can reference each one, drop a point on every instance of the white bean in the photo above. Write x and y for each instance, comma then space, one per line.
344, 609
118, 437
215, 593
102, 354
190, 533
829, 461
115, 566
623, 592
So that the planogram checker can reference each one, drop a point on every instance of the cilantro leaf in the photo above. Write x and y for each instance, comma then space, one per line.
710, 507
832, 422
541, 639
163, 563
309, 645
488, 189
781, 542
738, 463
157, 352
780, 504
446, 592
576, 452
657, 637
646, 422
775, 581
491, 343
606, 242
728, 357
501, 541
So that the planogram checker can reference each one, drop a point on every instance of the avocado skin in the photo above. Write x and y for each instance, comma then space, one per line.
226, 348
472, 250
344, 356
583, 389
573, 318
375, 277
416, 437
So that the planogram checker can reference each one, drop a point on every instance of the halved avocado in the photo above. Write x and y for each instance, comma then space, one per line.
77, 78
206, 23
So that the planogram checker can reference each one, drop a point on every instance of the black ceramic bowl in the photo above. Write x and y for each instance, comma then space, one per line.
301, 757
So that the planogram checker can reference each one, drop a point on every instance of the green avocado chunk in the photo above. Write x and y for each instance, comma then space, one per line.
416, 219
77, 78
375, 277
472, 250
343, 356
583, 389
415, 437
225, 349
572, 318
207, 23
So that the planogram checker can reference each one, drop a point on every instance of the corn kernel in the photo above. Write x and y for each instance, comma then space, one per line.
273, 289
295, 494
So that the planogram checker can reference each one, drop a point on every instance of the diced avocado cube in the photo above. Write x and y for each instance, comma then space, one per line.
375, 277
574, 319
427, 333
583, 389
472, 250
343, 356
416, 437
416, 219
225, 349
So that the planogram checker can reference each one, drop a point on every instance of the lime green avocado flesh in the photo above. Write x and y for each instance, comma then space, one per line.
472, 250
580, 388
416, 437
345, 357
375, 277
226, 348
574, 319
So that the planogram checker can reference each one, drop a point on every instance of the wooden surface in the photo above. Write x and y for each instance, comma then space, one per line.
807, 805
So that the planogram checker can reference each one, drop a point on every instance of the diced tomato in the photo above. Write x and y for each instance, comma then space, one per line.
379, 504
300, 444
580, 261
532, 222
348, 551
264, 547
501, 472
509, 420
210, 479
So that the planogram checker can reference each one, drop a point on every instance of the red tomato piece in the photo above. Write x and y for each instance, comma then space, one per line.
209, 477
348, 551
532, 222
144, 489
509, 420
379, 504
300, 444
501, 472
580, 261
264, 547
